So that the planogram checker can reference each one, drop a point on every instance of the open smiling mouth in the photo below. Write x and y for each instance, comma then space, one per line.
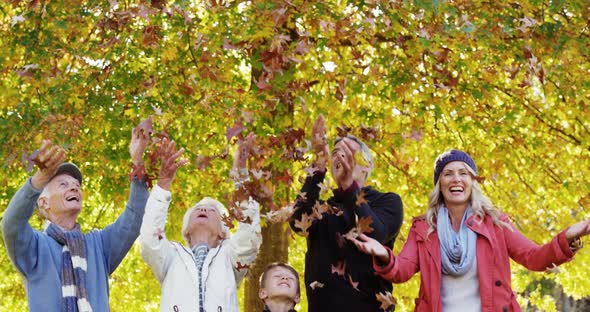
73, 198
456, 189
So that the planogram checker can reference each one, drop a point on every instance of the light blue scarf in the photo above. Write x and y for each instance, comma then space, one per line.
457, 250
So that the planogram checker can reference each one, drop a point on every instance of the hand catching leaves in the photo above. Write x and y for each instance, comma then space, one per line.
319, 142
169, 162
140, 137
48, 159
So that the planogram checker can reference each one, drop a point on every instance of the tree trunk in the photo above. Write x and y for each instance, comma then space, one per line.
274, 249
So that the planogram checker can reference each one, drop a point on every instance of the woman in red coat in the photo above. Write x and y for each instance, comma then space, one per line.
463, 246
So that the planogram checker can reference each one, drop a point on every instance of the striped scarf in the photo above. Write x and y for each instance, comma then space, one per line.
200, 251
73, 268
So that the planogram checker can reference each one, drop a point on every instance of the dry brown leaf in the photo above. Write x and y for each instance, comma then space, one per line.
386, 300
339, 268
360, 199
316, 284
364, 225
353, 283
304, 224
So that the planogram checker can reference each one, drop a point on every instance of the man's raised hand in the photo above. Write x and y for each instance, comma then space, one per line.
169, 162
48, 160
140, 138
319, 141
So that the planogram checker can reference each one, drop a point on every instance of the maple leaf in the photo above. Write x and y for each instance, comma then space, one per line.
343, 131
240, 266
231, 132
228, 221
369, 133
316, 284
324, 187
203, 161
310, 170
281, 215
157, 110
364, 225
303, 224
158, 4
257, 174
339, 268
301, 197
360, 199
17, 19
285, 177
151, 36
386, 299
553, 269
353, 283
352, 234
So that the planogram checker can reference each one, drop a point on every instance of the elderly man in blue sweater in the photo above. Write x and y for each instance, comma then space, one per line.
62, 268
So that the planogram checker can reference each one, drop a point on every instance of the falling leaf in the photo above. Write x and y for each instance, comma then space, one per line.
240, 266
158, 4
387, 300
303, 224
310, 170
339, 268
285, 177
301, 197
203, 161
369, 133
17, 19
228, 221
235, 130
360, 199
316, 284
281, 215
343, 131
352, 234
353, 283
324, 187
157, 110
553, 269
364, 225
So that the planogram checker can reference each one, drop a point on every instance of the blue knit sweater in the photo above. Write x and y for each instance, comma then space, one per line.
38, 257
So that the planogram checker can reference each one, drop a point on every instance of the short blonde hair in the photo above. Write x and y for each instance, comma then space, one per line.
205, 202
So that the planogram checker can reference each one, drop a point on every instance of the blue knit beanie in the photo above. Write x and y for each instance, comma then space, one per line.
449, 156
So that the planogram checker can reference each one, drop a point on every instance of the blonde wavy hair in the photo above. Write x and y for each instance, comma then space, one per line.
481, 205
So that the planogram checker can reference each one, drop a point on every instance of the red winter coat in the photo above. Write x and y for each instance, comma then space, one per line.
495, 245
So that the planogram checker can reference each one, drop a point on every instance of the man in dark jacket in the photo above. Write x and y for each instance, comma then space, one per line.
338, 277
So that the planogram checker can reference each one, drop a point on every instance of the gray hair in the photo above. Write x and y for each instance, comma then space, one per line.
205, 202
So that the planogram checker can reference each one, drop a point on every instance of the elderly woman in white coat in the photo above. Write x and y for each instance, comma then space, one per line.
204, 274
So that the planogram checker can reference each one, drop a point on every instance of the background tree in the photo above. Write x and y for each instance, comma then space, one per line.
505, 81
